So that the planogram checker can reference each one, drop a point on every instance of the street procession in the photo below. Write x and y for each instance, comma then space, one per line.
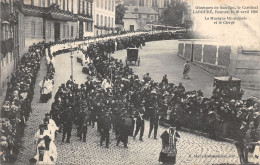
123, 82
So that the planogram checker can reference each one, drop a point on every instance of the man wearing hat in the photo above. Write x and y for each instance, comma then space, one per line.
67, 122
124, 128
83, 125
105, 126
165, 79
140, 122
154, 120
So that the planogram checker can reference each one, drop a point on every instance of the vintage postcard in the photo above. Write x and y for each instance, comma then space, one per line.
141, 82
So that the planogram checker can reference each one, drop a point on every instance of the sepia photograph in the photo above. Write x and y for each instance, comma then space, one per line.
120, 82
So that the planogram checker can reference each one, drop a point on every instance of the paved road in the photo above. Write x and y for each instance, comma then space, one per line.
192, 149
160, 58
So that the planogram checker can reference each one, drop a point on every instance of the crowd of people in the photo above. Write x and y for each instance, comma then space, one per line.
119, 101
17, 105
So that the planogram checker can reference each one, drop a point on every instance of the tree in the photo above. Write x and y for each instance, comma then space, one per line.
120, 12
174, 13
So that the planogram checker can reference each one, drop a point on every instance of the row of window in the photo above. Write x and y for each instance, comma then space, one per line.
65, 33
88, 26
107, 4
84, 7
109, 22
163, 3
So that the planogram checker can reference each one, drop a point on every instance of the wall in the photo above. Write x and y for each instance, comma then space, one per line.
221, 60
142, 24
209, 55
30, 38
245, 64
128, 22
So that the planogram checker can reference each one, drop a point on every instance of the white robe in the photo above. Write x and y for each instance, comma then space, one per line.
48, 60
46, 86
53, 128
51, 152
53, 125
37, 135
46, 160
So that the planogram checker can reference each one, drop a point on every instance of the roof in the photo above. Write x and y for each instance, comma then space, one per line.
141, 10
129, 16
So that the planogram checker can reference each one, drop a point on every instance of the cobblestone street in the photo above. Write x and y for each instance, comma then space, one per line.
192, 149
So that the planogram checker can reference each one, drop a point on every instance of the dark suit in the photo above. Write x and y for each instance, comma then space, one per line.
105, 126
67, 125
139, 124
154, 122
124, 131
84, 129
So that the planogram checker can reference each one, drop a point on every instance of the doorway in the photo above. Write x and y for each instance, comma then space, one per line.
56, 31
132, 28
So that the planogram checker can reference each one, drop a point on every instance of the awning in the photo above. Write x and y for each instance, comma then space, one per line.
84, 19
63, 17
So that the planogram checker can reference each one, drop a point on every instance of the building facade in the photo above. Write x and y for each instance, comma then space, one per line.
25, 22
158, 5
53, 20
9, 55
105, 11
145, 16
130, 22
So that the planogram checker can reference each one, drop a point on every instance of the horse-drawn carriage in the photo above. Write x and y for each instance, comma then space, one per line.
132, 55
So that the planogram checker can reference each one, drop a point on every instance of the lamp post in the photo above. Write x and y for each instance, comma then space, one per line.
71, 64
